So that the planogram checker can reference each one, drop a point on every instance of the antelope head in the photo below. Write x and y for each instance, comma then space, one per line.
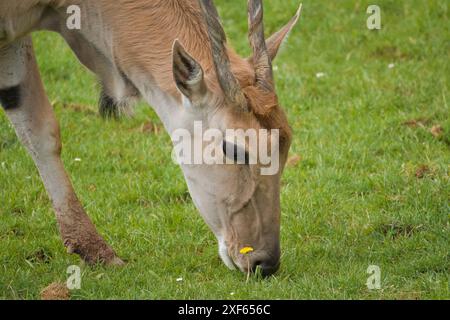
239, 198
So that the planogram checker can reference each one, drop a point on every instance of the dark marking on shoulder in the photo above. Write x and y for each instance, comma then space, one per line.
10, 97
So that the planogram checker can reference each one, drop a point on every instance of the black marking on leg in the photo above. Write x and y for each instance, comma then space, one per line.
109, 108
10, 97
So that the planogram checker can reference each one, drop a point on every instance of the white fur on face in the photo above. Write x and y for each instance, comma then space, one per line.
223, 252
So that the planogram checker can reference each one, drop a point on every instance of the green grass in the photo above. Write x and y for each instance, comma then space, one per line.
354, 200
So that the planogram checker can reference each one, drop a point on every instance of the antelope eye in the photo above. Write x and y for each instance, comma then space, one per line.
236, 153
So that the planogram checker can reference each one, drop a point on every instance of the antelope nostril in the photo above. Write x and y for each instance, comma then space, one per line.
269, 269
255, 266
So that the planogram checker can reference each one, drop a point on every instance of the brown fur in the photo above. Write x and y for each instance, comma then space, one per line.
182, 19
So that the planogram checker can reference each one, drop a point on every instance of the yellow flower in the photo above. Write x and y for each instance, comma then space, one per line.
246, 250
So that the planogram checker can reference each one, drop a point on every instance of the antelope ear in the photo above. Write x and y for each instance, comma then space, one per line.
276, 40
188, 73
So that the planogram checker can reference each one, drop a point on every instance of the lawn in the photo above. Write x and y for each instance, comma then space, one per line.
371, 122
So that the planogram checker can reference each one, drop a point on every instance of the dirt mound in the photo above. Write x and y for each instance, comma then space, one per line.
55, 291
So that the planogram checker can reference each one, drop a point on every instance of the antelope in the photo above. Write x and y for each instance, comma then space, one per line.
174, 55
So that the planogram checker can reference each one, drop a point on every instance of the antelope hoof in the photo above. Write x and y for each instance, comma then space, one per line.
94, 252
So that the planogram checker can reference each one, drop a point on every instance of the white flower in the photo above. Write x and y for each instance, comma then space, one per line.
179, 279
391, 66
77, 160
320, 75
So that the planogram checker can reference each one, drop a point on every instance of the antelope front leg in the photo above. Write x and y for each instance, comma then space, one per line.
26, 104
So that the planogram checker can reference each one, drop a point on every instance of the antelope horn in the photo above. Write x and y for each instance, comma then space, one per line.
261, 58
228, 82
